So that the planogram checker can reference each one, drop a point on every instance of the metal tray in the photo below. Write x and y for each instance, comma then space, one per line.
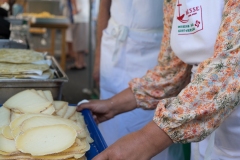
50, 21
12, 44
9, 87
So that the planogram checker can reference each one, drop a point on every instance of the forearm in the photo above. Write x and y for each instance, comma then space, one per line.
155, 138
74, 5
140, 145
123, 102
103, 17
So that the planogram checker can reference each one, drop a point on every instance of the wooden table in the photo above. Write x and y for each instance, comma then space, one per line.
53, 27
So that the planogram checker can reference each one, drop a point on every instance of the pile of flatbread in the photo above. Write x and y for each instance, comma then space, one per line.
35, 127
24, 64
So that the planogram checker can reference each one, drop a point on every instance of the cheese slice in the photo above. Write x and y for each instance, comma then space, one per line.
8, 153
50, 110
74, 117
59, 105
6, 132
40, 92
15, 115
62, 111
27, 102
48, 95
4, 116
7, 145
15, 132
18, 121
70, 111
81, 124
46, 121
40, 141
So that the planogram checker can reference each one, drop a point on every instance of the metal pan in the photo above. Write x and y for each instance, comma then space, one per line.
9, 87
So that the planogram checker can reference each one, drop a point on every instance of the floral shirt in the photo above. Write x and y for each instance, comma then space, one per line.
187, 110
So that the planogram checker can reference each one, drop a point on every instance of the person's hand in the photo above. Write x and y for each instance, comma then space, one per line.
102, 110
140, 145
75, 11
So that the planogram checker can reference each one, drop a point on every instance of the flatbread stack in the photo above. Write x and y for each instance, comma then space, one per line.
23, 64
35, 127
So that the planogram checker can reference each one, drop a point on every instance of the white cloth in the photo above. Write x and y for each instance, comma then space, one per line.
130, 46
226, 141
193, 45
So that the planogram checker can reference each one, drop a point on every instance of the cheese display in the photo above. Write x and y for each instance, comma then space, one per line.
35, 127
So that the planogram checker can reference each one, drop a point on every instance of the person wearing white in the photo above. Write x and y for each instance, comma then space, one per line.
201, 27
77, 33
202, 36
130, 44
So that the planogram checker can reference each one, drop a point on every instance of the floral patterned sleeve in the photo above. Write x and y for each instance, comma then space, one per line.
213, 93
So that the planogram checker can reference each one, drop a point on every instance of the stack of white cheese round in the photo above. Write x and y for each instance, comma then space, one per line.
35, 127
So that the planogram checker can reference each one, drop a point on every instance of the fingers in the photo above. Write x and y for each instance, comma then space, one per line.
84, 106
96, 119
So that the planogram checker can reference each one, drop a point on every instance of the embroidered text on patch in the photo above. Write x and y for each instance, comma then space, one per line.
190, 21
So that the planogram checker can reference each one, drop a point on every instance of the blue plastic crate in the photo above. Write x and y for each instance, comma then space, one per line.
99, 143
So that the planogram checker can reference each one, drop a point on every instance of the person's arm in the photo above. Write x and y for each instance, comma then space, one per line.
102, 22
140, 145
212, 94
200, 108
103, 110
75, 9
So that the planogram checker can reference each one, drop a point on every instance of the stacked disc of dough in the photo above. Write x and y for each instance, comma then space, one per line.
21, 63
35, 127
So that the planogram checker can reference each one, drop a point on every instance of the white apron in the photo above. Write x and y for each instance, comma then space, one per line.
193, 36
130, 46
223, 143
